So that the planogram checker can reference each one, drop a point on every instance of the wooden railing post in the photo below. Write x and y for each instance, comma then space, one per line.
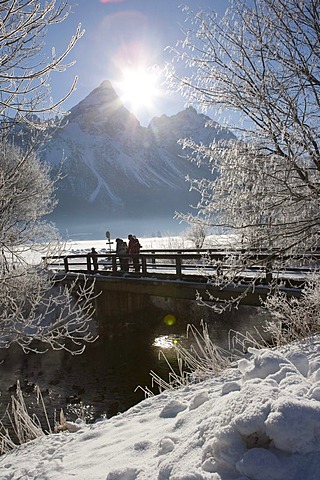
219, 268
88, 263
269, 271
153, 258
66, 264
144, 264
114, 263
178, 266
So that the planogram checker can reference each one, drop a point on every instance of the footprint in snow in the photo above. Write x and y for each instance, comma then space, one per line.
124, 474
166, 446
172, 409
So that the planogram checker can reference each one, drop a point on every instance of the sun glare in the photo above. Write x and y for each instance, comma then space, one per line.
138, 88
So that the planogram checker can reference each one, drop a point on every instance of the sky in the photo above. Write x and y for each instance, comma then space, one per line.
122, 35
258, 420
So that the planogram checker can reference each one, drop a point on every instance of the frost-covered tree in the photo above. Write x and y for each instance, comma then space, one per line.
260, 63
25, 65
34, 311
196, 234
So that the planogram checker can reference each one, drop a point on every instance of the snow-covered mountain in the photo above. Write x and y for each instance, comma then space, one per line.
112, 164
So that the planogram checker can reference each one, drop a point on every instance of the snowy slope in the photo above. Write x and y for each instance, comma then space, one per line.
260, 421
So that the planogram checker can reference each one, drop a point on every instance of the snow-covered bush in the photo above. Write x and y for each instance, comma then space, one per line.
294, 318
196, 234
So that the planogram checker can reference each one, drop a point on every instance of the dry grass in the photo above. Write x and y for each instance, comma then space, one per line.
18, 426
201, 361
23, 426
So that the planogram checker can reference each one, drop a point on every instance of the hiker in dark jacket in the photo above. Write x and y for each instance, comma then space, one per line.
94, 255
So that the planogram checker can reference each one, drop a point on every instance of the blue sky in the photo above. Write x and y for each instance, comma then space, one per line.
121, 34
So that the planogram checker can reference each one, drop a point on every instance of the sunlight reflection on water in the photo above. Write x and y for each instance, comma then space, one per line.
166, 341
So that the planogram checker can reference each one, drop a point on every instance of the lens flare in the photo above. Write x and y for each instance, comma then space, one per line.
169, 319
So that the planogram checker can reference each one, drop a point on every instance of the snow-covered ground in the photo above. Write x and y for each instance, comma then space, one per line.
102, 246
168, 242
259, 420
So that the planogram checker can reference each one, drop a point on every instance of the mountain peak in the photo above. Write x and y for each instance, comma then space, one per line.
100, 97
106, 84
187, 123
99, 107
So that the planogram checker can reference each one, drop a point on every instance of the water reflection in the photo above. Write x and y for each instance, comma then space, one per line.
165, 342
103, 380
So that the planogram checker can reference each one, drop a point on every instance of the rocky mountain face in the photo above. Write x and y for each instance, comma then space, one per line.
114, 168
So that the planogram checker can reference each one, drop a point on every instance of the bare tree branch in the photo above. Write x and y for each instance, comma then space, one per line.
25, 68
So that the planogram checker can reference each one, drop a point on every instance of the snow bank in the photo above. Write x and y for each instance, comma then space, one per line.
259, 421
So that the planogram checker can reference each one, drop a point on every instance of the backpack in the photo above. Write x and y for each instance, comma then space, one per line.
123, 248
135, 245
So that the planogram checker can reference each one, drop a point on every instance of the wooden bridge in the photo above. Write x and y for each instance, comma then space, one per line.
179, 273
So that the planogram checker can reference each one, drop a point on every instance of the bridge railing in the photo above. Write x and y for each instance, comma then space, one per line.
156, 262
110, 263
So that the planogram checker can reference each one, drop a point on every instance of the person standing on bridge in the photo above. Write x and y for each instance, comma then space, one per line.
122, 251
94, 255
134, 250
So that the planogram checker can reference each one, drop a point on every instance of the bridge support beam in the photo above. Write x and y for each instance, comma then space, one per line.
111, 304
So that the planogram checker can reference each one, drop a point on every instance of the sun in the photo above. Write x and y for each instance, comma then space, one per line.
138, 87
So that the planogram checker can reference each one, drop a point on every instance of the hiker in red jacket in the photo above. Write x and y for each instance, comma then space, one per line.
134, 250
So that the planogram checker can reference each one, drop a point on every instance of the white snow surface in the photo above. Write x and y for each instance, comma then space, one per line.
148, 243
259, 420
